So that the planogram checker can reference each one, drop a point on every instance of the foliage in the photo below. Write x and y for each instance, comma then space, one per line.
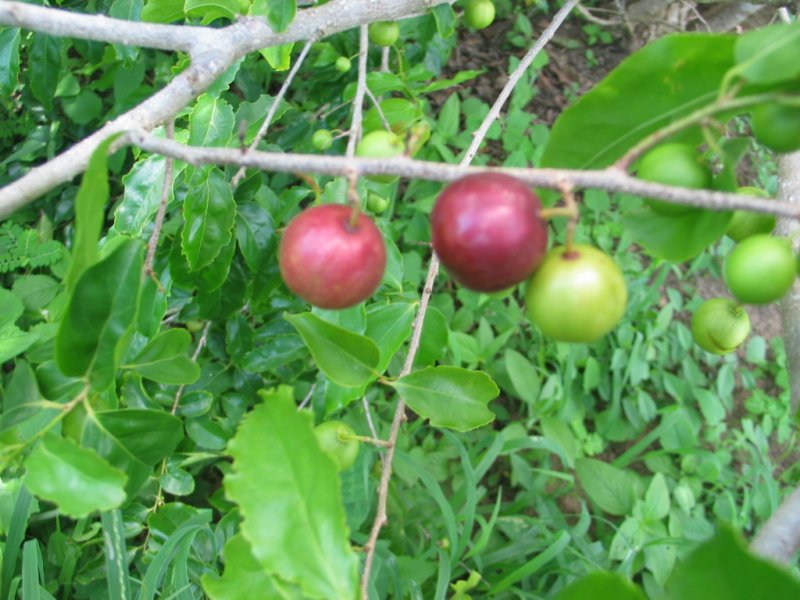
149, 437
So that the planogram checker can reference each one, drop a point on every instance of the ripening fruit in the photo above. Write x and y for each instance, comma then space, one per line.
380, 144
486, 230
342, 64
335, 439
744, 223
673, 164
384, 33
576, 296
777, 126
720, 325
760, 269
376, 203
322, 139
479, 13
328, 262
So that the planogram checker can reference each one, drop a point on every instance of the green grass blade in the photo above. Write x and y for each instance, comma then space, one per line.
16, 532
162, 559
536, 563
31, 567
119, 585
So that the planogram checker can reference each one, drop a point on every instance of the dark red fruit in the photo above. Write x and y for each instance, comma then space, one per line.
328, 262
487, 231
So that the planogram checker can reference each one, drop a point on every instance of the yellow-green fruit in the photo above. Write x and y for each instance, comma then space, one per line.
376, 203
322, 139
335, 439
760, 269
384, 33
380, 144
342, 64
777, 126
744, 223
479, 13
673, 164
720, 325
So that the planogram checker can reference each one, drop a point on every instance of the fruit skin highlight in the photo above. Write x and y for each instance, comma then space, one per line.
487, 232
720, 325
760, 269
331, 437
329, 263
576, 296
744, 223
673, 164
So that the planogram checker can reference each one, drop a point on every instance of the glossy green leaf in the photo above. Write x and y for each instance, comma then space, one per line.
209, 211
74, 478
434, 338
210, 10
345, 357
678, 237
723, 568
45, 67
389, 327
90, 208
13, 340
209, 278
449, 396
279, 57
769, 55
163, 11
653, 87
279, 13
445, 18
100, 316
255, 234
210, 122
244, 577
165, 359
9, 58
602, 586
612, 489
289, 494
35, 291
144, 186
149, 435
523, 375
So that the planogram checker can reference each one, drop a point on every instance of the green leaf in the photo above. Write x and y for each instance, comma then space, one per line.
90, 204
657, 497
164, 359
449, 116
723, 568
83, 108
345, 357
35, 291
74, 478
523, 375
100, 316
279, 13
769, 55
278, 57
144, 185
149, 435
162, 11
210, 10
449, 396
602, 586
210, 122
612, 489
657, 85
245, 578
434, 338
255, 234
9, 58
209, 211
45, 65
445, 18
677, 237
389, 327
288, 491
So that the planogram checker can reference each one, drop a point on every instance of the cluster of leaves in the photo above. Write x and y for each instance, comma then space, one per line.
616, 456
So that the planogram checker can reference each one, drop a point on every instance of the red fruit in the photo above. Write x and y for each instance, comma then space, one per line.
487, 231
329, 263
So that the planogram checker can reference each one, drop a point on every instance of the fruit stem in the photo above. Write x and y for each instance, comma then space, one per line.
556, 211
364, 438
353, 199
571, 208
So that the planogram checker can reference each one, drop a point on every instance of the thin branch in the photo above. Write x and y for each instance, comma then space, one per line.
166, 191
262, 131
368, 414
358, 99
610, 179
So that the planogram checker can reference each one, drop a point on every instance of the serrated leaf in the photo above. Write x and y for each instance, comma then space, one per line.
100, 316
74, 478
345, 357
288, 491
769, 55
449, 396
210, 122
165, 359
209, 211
602, 586
612, 489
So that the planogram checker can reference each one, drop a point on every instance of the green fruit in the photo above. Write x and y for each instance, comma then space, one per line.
576, 296
380, 144
342, 64
398, 112
335, 439
384, 33
673, 164
720, 325
744, 223
479, 13
777, 126
376, 203
322, 139
760, 269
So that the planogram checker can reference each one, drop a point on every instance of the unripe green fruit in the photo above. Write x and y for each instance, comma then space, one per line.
377, 204
333, 439
322, 139
744, 223
342, 64
479, 13
777, 126
760, 269
380, 144
673, 164
720, 325
384, 33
